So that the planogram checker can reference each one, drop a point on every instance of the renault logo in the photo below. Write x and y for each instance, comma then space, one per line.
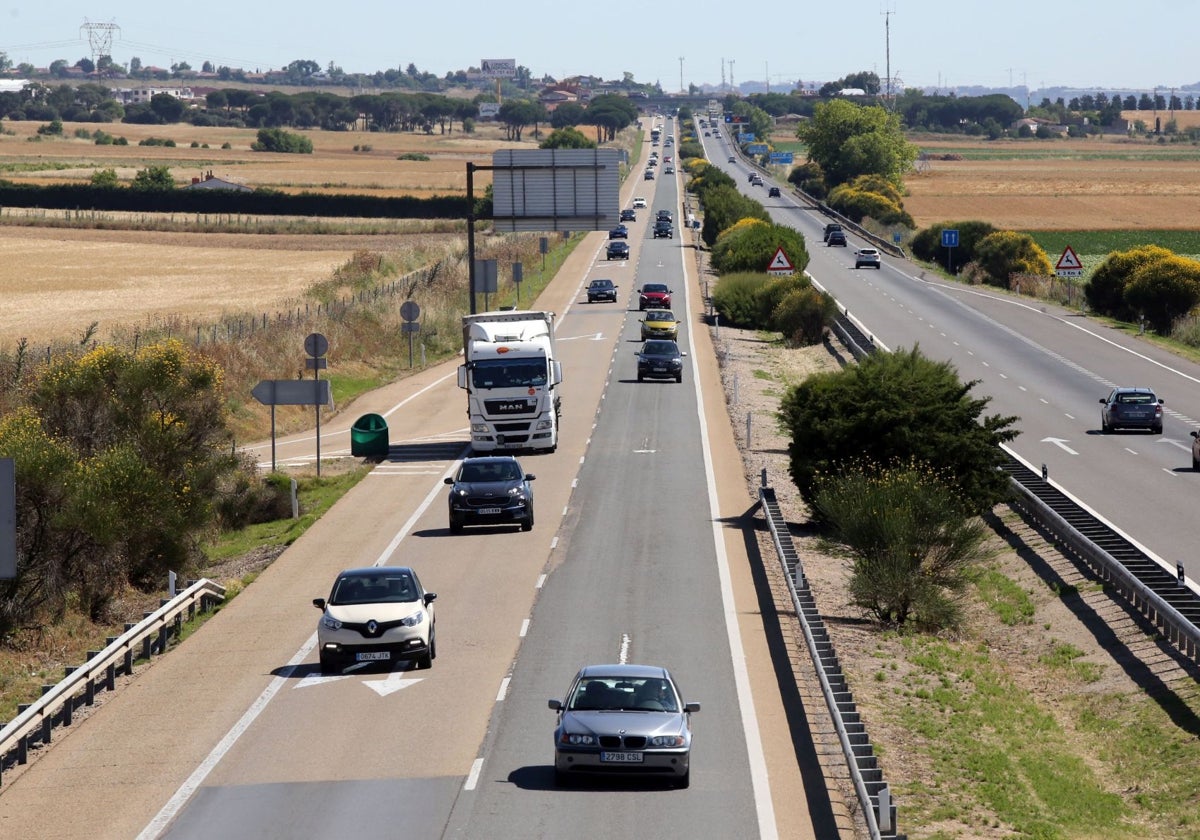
372, 627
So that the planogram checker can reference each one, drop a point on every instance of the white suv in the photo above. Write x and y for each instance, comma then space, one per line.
868, 257
377, 614
639, 203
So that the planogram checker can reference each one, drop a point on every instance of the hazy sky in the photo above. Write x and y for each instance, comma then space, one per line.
1080, 43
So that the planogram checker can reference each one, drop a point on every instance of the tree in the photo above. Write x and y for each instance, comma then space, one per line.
153, 179
105, 178
135, 64
5, 62
516, 114
567, 114
167, 108
751, 247
893, 406
567, 138
849, 140
278, 140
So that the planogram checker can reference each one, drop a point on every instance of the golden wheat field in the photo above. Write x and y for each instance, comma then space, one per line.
56, 282
1093, 184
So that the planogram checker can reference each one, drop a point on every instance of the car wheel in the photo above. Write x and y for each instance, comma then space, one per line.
456, 525
1157, 430
1104, 427
432, 643
685, 780
328, 664
641, 378
679, 378
561, 779
527, 524
1195, 463
425, 660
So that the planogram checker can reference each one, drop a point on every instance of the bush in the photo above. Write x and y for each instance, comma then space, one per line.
725, 206
911, 541
896, 405
927, 244
771, 293
1105, 291
278, 140
856, 205
249, 500
803, 316
1164, 290
413, 156
1006, 252
752, 246
735, 298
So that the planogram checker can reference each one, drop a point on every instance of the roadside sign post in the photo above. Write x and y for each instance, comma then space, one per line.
518, 274
316, 346
1069, 266
410, 311
8, 519
780, 265
950, 242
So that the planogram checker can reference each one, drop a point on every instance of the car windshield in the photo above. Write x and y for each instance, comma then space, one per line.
660, 348
384, 587
654, 288
659, 315
617, 694
490, 471
509, 373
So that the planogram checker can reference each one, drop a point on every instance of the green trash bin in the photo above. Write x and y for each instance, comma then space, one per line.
369, 437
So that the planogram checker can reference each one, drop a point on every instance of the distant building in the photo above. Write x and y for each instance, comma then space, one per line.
209, 182
131, 96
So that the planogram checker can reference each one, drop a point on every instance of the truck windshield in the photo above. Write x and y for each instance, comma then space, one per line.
509, 373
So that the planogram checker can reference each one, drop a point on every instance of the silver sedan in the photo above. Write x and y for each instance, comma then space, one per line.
623, 719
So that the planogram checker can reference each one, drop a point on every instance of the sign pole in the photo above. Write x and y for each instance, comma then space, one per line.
272, 437
471, 234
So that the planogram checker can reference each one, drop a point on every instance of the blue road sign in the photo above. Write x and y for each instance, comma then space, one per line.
949, 238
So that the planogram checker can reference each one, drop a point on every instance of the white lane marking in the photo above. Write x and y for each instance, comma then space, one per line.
1169, 471
524, 628
163, 818
1043, 401
540, 582
473, 776
1130, 451
175, 804
1069, 416
1184, 446
624, 652
554, 543
391, 684
1060, 443
764, 807
565, 509
500, 695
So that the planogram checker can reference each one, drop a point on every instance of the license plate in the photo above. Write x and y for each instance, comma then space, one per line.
622, 757
659, 370
379, 656
490, 510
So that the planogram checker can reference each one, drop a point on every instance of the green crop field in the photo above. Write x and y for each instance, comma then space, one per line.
1100, 243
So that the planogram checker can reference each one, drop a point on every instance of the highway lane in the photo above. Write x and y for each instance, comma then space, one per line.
236, 734
1047, 365
637, 581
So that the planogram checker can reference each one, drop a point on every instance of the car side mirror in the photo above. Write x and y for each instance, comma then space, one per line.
1161, 401
1194, 434
430, 597
691, 707
1103, 401
556, 705
319, 603
530, 477
448, 480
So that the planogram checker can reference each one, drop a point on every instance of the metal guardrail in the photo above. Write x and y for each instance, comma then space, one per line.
35, 722
874, 795
1162, 596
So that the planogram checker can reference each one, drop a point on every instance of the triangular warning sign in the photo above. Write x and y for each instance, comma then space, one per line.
1068, 261
780, 264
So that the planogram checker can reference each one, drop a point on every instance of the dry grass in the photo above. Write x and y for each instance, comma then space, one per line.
1062, 193
334, 165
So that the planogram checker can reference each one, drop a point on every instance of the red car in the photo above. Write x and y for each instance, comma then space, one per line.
654, 296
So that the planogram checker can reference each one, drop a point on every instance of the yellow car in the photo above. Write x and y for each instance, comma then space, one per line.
659, 323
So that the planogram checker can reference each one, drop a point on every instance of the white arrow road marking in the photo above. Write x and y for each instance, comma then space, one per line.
319, 678
589, 337
393, 683
1062, 444
1187, 447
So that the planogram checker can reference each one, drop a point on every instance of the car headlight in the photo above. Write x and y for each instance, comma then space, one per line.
458, 491
414, 619
577, 739
330, 623
479, 427
544, 424
666, 741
